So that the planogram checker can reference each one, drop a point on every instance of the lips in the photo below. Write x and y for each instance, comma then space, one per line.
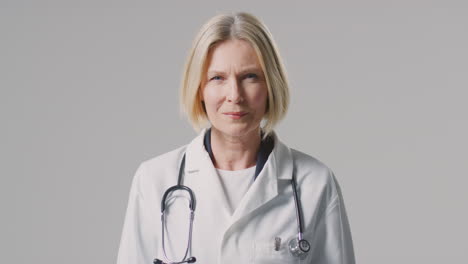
235, 114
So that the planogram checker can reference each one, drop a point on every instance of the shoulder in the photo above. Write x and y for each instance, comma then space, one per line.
307, 163
164, 160
313, 174
161, 171
158, 170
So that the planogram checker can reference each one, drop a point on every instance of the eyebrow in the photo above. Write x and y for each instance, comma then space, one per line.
244, 71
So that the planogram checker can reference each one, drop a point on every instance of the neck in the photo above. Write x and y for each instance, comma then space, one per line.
234, 153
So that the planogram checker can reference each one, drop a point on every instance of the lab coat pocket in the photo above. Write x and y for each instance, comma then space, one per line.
265, 252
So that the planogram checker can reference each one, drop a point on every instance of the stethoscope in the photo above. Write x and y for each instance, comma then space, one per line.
298, 246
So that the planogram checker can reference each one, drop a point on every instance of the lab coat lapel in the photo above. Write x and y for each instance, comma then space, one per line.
279, 166
201, 176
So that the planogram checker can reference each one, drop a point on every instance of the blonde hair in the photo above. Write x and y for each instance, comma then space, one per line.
227, 26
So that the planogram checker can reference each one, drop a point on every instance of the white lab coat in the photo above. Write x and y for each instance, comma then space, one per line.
266, 211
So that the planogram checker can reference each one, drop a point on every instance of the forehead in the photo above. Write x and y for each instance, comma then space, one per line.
232, 53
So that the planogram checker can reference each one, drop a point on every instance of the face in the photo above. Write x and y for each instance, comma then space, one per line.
234, 88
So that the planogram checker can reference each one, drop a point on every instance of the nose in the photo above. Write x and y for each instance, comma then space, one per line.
234, 93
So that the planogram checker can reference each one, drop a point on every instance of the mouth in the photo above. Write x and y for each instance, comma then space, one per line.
235, 115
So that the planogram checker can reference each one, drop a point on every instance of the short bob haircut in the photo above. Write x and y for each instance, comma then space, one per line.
228, 26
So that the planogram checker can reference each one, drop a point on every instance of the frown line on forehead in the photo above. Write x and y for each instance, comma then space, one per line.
247, 69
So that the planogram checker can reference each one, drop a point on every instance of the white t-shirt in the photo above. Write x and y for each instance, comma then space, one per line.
235, 184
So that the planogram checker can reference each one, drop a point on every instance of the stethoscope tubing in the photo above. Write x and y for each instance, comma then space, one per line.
298, 206
192, 205
163, 219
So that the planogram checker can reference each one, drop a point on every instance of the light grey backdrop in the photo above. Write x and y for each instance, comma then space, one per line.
89, 90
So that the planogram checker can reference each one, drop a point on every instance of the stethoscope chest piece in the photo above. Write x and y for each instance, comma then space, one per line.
299, 248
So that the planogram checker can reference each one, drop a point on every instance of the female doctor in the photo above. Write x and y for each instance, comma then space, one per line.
236, 193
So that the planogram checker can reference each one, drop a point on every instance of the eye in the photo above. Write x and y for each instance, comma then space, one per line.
251, 75
216, 78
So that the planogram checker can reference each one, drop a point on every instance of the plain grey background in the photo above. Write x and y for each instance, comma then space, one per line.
89, 89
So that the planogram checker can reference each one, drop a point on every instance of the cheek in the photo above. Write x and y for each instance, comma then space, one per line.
212, 98
258, 99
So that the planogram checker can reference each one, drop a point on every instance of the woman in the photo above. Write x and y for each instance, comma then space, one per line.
243, 179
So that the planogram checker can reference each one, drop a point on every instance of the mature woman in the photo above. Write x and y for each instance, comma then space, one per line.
236, 193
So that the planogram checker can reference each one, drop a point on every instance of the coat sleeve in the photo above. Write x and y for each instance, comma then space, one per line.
333, 242
136, 245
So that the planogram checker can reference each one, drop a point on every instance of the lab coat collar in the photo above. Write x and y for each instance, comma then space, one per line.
266, 146
200, 172
279, 162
